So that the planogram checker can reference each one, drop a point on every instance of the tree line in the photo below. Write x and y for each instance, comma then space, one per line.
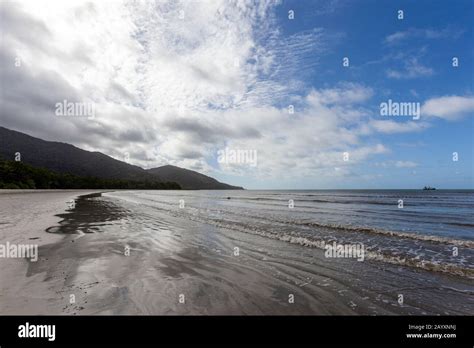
19, 175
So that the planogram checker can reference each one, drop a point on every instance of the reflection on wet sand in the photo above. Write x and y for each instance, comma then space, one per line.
88, 215
171, 258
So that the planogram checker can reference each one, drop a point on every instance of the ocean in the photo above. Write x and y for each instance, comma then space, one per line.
237, 252
423, 232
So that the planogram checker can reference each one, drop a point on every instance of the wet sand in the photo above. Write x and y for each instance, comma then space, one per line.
177, 266
24, 217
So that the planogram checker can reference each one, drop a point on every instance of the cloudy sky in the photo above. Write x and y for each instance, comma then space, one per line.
175, 82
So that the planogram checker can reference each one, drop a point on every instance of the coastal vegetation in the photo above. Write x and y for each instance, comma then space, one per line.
19, 175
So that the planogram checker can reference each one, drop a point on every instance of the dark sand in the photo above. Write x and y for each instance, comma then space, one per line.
82, 253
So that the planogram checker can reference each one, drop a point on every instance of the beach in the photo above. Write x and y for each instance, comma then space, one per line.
24, 217
142, 252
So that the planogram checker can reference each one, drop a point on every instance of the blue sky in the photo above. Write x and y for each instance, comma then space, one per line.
433, 32
181, 82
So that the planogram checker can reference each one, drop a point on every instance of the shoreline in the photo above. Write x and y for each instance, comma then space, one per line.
83, 255
21, 293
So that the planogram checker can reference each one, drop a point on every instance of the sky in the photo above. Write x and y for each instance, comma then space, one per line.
291, 91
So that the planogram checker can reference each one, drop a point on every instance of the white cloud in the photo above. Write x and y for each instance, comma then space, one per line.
412, 69
400, 36
174, 82
397, 36
449, 107
391, 127
346, 93
397, 164
405, 164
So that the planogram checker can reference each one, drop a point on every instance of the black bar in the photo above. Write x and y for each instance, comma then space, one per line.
224, 330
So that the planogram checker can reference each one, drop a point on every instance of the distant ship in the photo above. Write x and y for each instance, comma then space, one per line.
428, 188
